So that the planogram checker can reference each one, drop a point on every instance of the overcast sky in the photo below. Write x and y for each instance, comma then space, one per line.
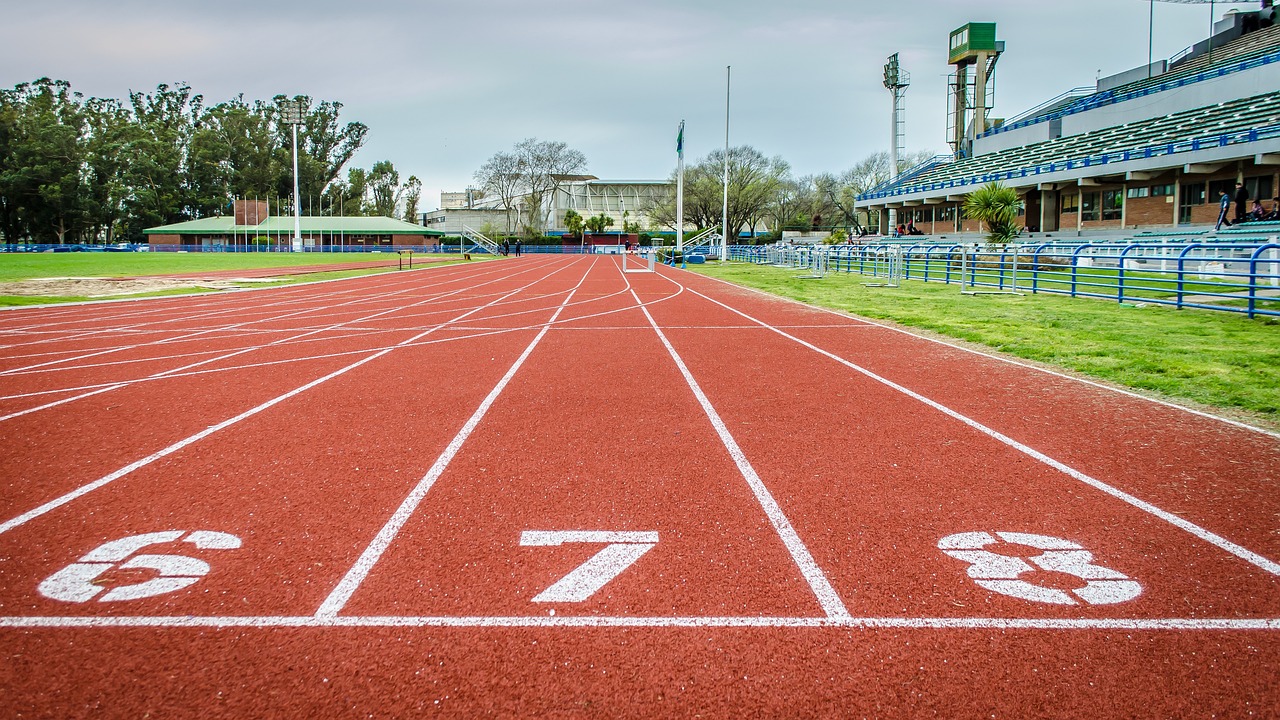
444, 85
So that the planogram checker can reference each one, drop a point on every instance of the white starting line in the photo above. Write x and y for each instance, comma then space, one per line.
593, 621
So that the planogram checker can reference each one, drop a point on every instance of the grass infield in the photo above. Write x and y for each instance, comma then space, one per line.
27, 266
30, 266
1220, 360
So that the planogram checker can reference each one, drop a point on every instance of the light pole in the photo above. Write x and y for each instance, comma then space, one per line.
291, 114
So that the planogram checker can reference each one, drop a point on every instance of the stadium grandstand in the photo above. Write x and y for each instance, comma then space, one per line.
1152, 147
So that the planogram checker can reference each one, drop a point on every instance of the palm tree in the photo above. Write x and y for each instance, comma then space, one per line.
997, 206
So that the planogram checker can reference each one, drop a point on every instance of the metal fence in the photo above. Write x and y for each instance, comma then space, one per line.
1231, 277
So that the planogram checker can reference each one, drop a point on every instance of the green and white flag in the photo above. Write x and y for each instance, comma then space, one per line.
680, 140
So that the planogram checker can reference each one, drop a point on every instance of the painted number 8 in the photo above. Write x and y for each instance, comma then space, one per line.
1003, 573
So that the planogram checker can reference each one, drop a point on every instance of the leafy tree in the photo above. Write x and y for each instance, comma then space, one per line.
412, 197
110, 133
997, 206
43, 176
324, 146
384, 188
160, 191
599, 223
573, 222
347, 198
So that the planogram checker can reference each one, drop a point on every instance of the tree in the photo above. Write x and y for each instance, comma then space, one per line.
412, 197
160, 191
525, 178
573, 222
43, 176
324, 146
753, 183
997, 206
793, 203
347, 198
384, 188
544, 165
500, 176
599, 223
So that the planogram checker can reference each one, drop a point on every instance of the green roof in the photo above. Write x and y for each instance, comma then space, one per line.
225, 225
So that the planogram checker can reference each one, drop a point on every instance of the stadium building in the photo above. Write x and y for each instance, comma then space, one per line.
1153, 147
586, 195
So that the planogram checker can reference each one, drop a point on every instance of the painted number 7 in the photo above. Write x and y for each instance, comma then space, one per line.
620, 552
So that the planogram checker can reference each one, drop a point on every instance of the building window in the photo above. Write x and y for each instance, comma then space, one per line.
1259, 187
1218, 187
1112, 204
1139, 192
1070, 203
1162, 190
1089, 206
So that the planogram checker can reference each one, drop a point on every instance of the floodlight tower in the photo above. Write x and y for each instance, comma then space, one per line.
896, 81
291, 114
973, 44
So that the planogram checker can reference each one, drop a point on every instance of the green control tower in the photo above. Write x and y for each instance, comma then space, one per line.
973, 44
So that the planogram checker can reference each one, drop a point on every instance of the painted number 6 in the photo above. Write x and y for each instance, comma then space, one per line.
1003, 573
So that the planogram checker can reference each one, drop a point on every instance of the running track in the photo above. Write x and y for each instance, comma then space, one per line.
543, 486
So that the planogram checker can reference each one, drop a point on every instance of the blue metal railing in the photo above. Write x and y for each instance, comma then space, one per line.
1149, 151
1237, 277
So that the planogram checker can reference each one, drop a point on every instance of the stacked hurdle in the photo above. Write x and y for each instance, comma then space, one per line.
887, 263
816, 260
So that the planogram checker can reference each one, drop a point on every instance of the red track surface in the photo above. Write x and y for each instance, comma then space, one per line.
403, 461
297, 270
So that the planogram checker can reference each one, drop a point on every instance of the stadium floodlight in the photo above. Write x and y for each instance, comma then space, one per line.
1151, 22
291, 114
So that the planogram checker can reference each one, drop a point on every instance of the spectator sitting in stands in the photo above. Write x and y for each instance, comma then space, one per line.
1275, 210
1257, 212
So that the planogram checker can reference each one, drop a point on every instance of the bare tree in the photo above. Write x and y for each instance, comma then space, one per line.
501, 176
525, 179
544, 166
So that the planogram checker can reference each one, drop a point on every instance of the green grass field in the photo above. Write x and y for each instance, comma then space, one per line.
1216, 359
31, 266
26, 266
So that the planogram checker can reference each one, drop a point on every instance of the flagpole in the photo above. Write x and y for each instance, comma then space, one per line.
680, 191
724, 236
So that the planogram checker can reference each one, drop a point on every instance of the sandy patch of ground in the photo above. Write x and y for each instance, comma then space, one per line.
105, 287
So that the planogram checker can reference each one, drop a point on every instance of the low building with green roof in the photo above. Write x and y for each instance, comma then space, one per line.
231, 232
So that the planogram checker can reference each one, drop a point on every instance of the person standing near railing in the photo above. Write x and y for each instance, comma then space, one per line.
1242, 200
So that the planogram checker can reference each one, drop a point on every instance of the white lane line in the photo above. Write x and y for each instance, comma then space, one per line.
595, 621
90, 487
472, 333
198, 333
865, 321
182, 371
222, 305
818, 582
347, 587
1214, 539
